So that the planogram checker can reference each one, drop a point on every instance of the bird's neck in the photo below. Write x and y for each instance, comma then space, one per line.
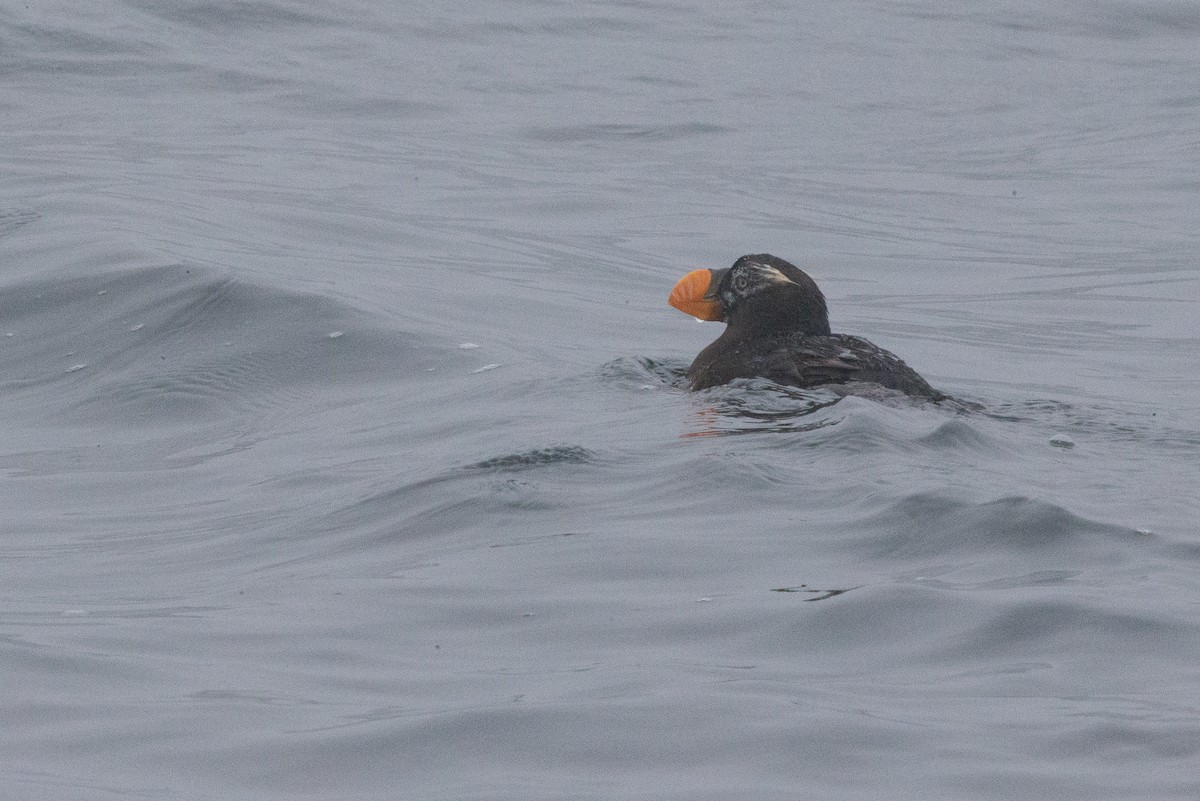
776, 316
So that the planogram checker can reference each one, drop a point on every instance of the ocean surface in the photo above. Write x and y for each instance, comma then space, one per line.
346, 451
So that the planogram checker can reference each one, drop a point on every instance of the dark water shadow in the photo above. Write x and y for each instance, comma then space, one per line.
537, 457
813, 594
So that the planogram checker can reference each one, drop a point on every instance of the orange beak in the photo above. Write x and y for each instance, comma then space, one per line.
695, 294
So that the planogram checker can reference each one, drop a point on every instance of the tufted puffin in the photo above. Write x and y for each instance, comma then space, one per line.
777, 327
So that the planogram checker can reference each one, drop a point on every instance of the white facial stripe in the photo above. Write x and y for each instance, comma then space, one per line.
773, 275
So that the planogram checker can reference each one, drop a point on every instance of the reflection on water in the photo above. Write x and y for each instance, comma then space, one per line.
759, 406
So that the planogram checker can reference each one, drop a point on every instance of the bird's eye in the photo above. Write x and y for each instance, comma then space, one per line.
740, 282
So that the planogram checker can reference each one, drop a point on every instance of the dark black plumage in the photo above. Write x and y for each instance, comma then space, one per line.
778, 328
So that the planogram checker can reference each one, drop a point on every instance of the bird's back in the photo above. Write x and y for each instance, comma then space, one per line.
805, 360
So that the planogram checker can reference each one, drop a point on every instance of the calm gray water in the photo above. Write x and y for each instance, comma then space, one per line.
345, 453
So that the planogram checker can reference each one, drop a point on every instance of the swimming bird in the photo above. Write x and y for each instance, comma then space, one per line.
777, 327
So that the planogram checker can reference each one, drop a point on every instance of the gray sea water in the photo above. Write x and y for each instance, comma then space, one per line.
345, 451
